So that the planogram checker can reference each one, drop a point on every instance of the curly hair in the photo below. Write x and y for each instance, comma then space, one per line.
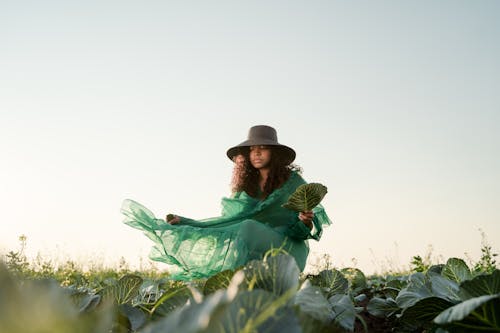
246, 177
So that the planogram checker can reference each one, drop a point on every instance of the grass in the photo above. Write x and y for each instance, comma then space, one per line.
94, 273
91, 274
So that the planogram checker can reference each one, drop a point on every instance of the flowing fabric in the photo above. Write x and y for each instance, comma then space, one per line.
246, 230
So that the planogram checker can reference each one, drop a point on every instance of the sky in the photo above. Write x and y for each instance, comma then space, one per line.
393, 105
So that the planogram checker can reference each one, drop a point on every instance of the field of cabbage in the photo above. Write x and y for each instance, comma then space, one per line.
264, 296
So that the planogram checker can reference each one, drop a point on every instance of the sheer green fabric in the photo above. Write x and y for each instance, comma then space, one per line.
247, 228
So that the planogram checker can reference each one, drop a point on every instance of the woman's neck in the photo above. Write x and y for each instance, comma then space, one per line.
264, 172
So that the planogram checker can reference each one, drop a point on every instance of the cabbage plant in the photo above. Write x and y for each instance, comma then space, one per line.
306, 197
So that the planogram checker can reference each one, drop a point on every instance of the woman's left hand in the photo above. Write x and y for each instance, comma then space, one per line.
307, 218
173, 220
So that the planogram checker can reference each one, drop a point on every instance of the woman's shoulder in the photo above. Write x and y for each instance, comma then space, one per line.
294, 180
296, 177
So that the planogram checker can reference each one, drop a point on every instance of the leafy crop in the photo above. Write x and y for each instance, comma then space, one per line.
266, 295
306, 197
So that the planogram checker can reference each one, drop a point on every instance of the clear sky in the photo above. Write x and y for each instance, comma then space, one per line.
393, 105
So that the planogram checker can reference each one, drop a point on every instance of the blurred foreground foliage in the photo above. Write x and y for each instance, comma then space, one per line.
269, 295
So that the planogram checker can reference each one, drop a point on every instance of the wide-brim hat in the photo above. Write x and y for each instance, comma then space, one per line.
262, 135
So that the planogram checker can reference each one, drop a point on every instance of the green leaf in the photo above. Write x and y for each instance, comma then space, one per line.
390, 292
276, 274
306, 197
356, 278
418, 288
150, 291
136, 318
218, 281
424, 311
170, 300
331, 282
85, 302
456, 270
382, 307
397, 282
393, 286
230, 311
444, 288
482, 285
196, 316
124, 291
255, 311
477, 314
311, 301
436, 269
360, 298
344, 311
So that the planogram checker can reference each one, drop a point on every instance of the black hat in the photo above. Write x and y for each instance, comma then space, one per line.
262, 135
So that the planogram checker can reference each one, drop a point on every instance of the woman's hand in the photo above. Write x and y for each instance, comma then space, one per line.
307, 218
172, 219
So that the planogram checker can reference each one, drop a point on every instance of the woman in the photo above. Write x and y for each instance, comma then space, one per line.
252, 222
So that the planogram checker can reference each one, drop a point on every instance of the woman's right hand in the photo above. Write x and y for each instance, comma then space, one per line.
307, 218
172, 219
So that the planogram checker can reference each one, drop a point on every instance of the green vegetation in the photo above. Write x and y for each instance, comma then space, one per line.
268, 295
69, 273
306, 197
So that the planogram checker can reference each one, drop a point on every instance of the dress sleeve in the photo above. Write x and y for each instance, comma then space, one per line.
299, 230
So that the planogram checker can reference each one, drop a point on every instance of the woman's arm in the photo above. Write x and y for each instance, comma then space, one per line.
303, 230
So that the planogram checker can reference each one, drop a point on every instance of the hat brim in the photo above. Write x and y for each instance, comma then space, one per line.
289, 152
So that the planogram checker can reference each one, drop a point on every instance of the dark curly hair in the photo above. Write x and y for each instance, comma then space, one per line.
246, 177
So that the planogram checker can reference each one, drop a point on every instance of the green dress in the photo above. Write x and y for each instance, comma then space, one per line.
246, 230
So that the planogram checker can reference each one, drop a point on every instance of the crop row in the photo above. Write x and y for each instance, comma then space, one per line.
263, 296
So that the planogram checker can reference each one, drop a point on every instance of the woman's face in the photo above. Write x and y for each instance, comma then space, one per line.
260, 156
